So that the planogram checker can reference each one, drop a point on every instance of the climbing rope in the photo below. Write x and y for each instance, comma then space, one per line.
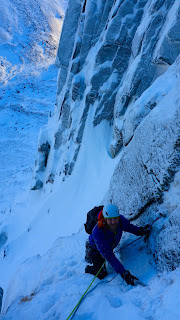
106, 281
77, 305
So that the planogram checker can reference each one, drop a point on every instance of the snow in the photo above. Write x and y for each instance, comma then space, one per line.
47, 284
24, 108
28, 81
60, 282
42, 258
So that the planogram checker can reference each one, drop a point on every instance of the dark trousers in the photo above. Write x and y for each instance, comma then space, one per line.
93, 256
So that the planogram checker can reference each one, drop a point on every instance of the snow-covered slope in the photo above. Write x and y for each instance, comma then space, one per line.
29, 35
49, 286
113, 136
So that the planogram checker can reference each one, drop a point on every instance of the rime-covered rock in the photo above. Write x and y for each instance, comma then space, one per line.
153, 50
165, 239
152, 156
109, 54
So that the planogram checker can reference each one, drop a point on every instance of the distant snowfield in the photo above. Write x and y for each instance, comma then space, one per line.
24, 109
29, 36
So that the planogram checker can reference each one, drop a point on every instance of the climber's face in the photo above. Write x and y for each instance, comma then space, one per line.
113, 223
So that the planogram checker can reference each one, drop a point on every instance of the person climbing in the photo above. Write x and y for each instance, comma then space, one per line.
105, 236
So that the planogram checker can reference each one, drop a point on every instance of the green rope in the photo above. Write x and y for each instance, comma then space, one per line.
99, 283
84, 293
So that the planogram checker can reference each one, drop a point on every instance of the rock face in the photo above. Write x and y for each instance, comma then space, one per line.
119, 60
165, 239
152, 156
109, 53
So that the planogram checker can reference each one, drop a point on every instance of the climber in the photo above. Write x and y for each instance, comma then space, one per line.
105, 236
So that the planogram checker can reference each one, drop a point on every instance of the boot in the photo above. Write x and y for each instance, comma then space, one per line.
94, 270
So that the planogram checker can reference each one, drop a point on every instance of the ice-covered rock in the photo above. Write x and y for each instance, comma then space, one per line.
167, 239
109, 54
152, 156
154, 49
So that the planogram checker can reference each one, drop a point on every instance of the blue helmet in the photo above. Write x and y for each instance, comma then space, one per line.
110, 211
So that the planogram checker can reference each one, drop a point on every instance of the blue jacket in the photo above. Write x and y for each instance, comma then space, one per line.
104, 240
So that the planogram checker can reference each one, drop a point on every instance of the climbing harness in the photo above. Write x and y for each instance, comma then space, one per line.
73, 312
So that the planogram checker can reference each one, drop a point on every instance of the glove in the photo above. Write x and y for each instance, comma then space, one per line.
128, 277
145, 231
